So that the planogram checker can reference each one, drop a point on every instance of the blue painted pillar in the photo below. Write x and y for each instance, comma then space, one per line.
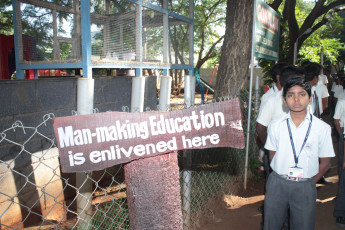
18, 44
139, 38
86, 38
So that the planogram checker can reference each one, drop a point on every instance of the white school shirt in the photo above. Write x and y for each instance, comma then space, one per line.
321, 92
319, 144
338, 90
333, 86
339, 112
323, 79
271, 90
272, 108
311, 106
341, 94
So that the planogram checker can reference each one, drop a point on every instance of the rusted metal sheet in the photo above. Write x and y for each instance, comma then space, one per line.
97, 141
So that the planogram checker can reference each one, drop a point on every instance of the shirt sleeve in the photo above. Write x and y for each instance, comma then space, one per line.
271, 141
325, 145
265, 113
338, 111
324, 92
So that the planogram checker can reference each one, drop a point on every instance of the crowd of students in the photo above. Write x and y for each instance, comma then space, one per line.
297, 143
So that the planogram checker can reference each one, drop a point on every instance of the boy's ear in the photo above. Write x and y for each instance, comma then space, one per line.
284, 101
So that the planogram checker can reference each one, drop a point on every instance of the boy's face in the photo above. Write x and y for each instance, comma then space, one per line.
297, 99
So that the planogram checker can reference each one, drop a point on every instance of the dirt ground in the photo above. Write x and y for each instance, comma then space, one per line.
241, 212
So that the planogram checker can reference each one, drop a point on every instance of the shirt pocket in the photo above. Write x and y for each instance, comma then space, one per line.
311, 149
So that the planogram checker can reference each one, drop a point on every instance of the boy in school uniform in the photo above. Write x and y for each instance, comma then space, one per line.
297, 142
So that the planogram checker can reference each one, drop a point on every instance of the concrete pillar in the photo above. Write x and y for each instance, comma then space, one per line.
85, 98
138, 94
164, 95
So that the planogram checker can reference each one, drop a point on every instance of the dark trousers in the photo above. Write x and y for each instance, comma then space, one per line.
283, 194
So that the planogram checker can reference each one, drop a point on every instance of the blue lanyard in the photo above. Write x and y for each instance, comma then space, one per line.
305, 140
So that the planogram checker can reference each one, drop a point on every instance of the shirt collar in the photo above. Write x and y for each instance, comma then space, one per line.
288, 116
275, 89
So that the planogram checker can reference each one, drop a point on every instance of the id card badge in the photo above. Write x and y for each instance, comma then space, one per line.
296, 172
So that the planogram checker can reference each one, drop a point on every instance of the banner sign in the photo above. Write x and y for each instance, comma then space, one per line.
98, 141
267, 28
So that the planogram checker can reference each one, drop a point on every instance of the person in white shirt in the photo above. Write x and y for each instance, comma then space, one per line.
322, 93
338, 89
273, 106
323, 78
315, 77
312, 71
275, 75
297, 142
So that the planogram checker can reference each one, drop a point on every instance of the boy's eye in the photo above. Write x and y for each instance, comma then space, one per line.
303, 94
289, 95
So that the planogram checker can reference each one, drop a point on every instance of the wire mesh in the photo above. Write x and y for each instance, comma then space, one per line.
49, 33
122, 32
214, 172
35, 193
179, 32
113, 31
152, 35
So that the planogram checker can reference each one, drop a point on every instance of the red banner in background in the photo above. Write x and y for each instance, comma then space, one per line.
98, 141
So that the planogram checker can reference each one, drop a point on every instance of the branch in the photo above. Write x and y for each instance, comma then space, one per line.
291, 16
210, 54
318, 10
275, 4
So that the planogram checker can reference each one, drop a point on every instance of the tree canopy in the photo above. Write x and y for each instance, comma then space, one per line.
297, 16
208, 19
6, 18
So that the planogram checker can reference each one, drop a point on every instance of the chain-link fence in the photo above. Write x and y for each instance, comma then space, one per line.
35, 193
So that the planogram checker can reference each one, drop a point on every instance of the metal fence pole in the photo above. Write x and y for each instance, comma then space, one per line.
85, 96
256, 93
192, 89
187, 174
164, 94
250, 97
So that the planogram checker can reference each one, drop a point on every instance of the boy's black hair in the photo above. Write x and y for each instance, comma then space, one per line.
296, 81
277, 69
312, 70
305, 63
290, 71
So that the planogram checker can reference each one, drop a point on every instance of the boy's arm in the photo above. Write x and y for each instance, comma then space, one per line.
271, 154
324, 103
325, 164
261, 134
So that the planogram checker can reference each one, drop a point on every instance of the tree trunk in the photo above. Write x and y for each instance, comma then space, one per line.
233, 74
